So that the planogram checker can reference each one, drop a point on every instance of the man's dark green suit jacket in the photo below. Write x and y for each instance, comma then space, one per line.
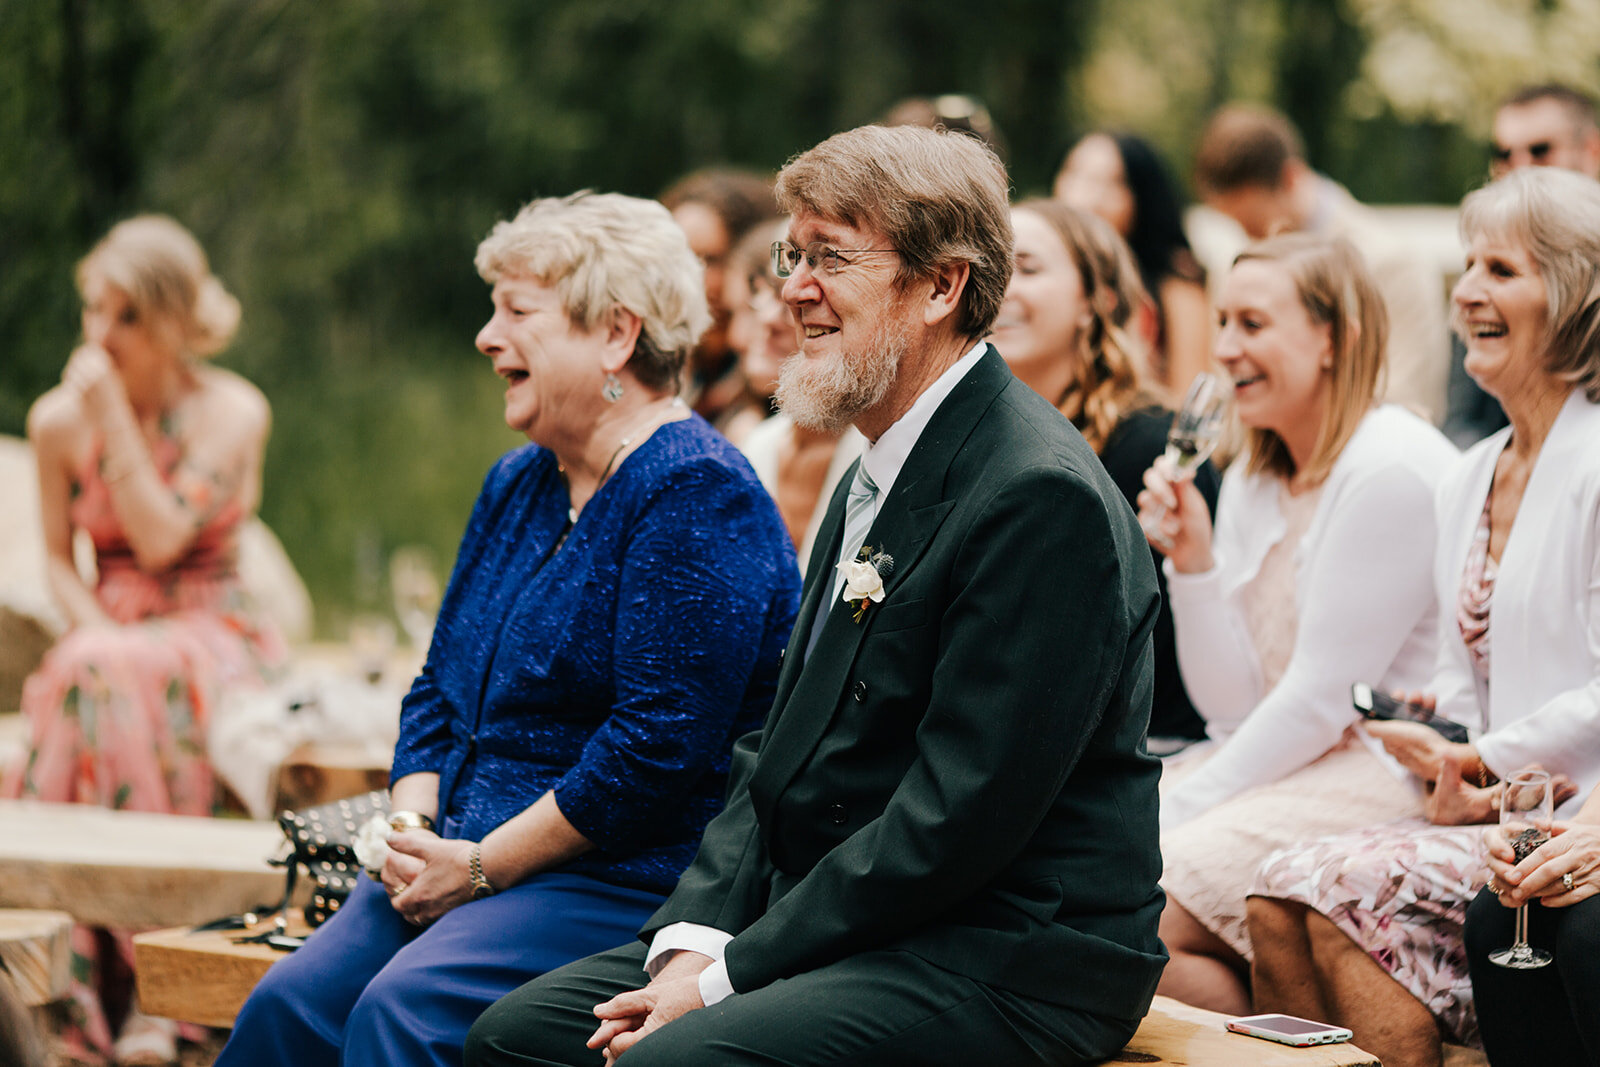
960, 774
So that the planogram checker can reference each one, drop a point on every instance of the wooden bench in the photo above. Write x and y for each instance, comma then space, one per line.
36, 953
205, 978
318, 773
201, 977
127, 869
1175, 1033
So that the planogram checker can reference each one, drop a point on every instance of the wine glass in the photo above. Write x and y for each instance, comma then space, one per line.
415, 585
1196, 429
1526, 809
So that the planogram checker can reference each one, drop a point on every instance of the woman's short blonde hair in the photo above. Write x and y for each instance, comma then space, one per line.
603, 251
165, 274
1555, 215
1337, 290
1107, 382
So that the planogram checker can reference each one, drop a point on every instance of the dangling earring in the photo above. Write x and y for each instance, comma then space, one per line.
612, 390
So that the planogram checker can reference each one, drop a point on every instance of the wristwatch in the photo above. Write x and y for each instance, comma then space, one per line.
480, 885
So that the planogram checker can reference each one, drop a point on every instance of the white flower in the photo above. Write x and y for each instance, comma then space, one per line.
861, 581
372, 844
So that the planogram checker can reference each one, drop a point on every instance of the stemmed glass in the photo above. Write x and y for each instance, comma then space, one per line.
1196, 429
1526, 810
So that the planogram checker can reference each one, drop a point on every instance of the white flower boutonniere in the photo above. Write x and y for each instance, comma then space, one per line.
372, 844
864, 577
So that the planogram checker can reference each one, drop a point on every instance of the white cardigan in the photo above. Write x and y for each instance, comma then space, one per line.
1543, 700
1365, 608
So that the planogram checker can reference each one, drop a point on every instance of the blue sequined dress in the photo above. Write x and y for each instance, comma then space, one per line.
616, 669
615, 663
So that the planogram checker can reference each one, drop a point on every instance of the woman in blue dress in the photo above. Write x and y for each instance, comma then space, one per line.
619, 604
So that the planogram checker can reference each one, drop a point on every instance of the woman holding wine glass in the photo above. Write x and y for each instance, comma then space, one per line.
1315, 576
1553, 1015
1364, 929
1064, 330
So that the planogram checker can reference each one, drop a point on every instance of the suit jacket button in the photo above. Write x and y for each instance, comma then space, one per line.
859, 691
837, 814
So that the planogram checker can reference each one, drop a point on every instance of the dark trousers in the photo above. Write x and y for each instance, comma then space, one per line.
885, 1008
1545, 1016
370, 990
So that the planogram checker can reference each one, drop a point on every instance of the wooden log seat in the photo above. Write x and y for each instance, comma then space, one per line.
131, 869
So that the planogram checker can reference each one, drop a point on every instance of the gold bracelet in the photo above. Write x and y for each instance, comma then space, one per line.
480, 883
409, 820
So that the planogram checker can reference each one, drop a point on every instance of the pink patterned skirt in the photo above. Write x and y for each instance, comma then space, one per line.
1400, 891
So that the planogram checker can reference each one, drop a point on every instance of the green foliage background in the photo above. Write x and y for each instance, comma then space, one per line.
340, 160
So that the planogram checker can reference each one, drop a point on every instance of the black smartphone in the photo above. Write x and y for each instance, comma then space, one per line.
1373, 704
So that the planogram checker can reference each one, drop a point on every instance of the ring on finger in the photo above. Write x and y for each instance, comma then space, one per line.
1495, 887
1566, 881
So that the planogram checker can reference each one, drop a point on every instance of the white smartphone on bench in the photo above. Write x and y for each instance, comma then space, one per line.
1288, 1030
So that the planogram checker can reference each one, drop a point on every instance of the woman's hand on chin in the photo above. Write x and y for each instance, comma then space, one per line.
433, 872
91, 373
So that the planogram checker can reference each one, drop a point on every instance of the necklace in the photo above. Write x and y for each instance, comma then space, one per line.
655, 420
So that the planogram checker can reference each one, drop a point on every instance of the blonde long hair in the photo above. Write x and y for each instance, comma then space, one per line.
1107, 377
1337, 290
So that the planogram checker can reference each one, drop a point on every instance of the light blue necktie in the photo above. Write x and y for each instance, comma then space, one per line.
858, 515
859, 511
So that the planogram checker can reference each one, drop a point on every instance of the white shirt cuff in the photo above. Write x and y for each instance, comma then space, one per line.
685, 937
714, 983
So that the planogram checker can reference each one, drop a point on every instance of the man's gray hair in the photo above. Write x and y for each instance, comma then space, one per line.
939, 197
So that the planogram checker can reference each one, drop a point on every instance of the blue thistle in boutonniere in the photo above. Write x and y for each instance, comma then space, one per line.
864, 577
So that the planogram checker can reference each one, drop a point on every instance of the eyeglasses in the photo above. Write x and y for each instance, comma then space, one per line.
786, 257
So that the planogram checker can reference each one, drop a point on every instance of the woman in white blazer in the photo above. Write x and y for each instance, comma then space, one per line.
1365, 929
1316, 576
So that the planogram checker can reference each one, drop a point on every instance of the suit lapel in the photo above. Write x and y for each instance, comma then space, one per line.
819, 582
809, 690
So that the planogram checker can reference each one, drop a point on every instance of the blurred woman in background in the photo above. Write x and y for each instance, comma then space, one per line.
156, 455
1122, 178
715, 208
1063, 329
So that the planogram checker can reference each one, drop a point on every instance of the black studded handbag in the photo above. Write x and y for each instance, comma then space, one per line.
322, 840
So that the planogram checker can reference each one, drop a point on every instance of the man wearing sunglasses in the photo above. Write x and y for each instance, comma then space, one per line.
942, 847
1546, 126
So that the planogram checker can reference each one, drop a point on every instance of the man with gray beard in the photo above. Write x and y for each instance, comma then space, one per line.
942, 846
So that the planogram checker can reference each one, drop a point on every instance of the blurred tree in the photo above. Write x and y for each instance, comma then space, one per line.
340, 162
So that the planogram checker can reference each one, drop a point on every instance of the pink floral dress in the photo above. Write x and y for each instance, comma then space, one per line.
1401, 891
117, 714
